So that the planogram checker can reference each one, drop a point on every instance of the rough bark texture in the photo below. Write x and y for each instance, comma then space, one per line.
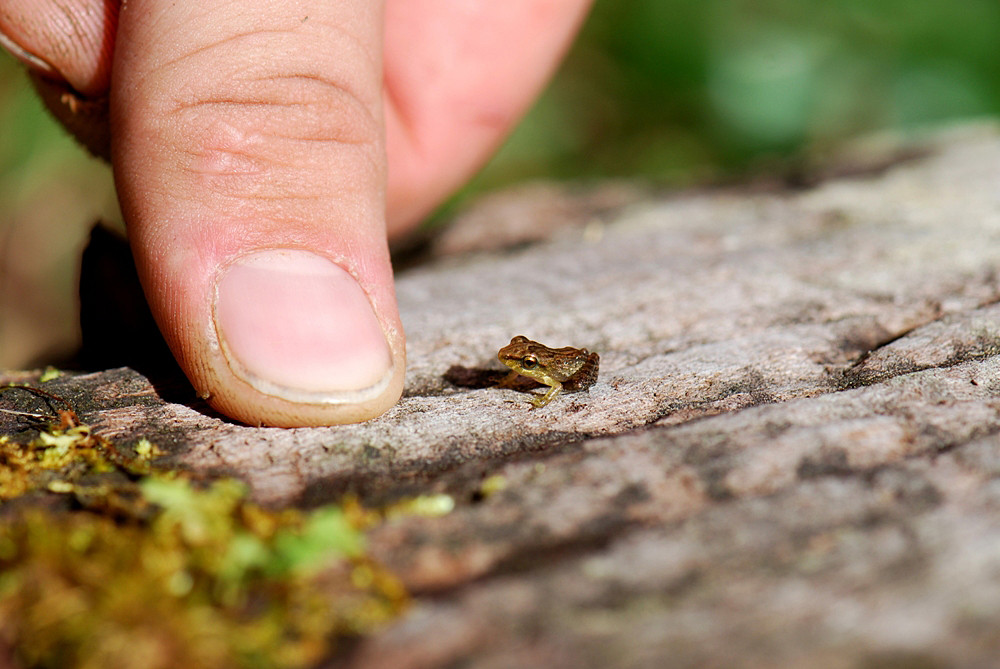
791, 457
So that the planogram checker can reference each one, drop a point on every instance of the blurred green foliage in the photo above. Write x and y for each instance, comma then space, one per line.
680, 91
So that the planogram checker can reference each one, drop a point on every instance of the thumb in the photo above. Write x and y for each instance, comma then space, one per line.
248, 146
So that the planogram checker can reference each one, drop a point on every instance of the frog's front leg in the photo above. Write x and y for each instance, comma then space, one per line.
509, 379
554, 391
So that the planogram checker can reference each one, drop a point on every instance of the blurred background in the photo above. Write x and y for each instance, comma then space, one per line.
669, 91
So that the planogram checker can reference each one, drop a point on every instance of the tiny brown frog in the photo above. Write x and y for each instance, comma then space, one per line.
558, 368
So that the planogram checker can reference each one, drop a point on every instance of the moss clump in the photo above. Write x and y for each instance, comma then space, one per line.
66, 459
210, 580
151, 569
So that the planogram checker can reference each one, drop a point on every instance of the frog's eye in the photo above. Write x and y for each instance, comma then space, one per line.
529, 362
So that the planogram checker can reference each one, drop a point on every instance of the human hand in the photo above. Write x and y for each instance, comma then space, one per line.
264, 149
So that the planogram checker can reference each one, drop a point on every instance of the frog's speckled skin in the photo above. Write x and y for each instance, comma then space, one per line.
572, 368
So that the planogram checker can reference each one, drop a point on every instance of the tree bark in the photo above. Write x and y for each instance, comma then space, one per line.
791, 456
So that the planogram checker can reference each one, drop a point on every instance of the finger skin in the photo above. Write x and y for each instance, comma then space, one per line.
70, 41
458, 76
243, 126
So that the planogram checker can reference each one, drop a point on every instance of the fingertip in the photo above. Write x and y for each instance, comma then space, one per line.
300, 343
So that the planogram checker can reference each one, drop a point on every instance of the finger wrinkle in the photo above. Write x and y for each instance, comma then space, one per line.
266, 120
373, 58
255, 167
221, 43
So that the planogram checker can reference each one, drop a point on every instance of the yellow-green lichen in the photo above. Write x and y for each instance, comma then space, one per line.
61, 459
422, 505
492, 485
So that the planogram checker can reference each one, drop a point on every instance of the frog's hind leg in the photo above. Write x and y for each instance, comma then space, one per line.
554, 391
586, 376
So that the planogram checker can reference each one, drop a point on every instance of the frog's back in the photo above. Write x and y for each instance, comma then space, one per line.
586, 376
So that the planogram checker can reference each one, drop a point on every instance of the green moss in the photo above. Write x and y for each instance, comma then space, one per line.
157, 570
